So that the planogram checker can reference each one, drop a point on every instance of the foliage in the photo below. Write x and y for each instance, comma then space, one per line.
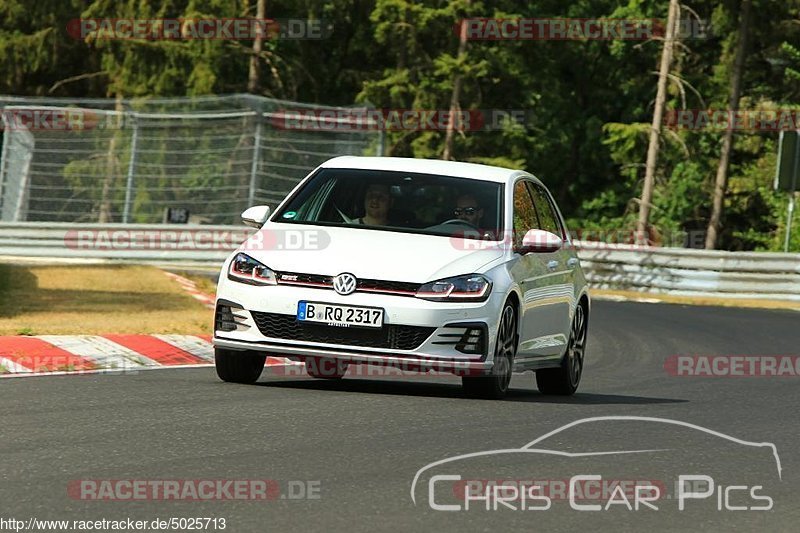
588, 103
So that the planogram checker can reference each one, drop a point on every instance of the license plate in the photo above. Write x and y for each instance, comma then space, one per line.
340, 315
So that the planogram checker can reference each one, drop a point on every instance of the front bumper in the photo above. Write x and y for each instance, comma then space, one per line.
437, 352
414, 361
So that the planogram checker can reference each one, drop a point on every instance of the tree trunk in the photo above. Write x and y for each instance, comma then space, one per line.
246, 140
104, 216
255, 60
721, 183
655, 128
454, 97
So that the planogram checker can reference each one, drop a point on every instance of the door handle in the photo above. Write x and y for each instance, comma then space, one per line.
572, 262
552, 265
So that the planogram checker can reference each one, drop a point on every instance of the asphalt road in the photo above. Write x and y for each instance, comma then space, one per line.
360, 442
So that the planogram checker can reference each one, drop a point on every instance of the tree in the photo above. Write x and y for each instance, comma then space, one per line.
447, 153
255, 60
721, 182
655, 128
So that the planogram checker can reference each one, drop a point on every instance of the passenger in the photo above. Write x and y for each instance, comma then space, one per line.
468, 210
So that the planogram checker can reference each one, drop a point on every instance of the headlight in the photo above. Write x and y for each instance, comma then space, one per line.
468, 288
245, 269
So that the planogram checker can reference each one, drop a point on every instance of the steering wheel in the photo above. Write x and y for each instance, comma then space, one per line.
459, 221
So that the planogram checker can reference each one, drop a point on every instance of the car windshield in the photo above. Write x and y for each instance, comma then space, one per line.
398, 201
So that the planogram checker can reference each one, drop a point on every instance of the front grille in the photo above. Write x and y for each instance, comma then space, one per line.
390, 336
382, 285
368, 285
295, 277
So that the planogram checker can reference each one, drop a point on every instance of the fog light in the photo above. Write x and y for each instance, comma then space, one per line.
226, 320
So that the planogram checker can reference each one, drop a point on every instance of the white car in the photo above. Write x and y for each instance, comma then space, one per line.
417, 264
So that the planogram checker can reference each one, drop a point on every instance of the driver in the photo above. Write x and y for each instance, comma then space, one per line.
377, 202
468, 210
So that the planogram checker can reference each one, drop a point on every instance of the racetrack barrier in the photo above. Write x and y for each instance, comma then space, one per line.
691, 272
678, 271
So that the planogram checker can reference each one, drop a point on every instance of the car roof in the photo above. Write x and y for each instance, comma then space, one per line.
426, 166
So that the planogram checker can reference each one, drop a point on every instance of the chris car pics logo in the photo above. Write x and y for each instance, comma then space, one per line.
451, 485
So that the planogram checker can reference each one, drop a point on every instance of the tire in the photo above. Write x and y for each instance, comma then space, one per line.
564, 380
495, 385
238, 366
325, 368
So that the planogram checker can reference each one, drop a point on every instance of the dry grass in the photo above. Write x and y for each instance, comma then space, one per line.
39, 300
695, 300
204, 284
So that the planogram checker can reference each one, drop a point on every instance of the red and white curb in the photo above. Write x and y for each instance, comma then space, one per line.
22, 356
190, 287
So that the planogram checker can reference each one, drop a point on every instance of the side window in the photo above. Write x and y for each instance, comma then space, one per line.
547, 214
524, 212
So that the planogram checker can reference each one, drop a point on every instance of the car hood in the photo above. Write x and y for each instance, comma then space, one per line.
370, 254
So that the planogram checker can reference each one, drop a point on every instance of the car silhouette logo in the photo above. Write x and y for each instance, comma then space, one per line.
344, 283
535, 446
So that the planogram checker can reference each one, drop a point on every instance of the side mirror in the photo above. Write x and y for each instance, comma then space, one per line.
540, 241
255, 216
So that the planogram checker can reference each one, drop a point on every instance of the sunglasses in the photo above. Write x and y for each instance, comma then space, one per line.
458, 211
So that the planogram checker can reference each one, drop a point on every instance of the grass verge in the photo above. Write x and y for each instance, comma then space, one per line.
696, 300
94, 300
204, 284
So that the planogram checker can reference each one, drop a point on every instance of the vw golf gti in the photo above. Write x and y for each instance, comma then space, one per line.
417, 264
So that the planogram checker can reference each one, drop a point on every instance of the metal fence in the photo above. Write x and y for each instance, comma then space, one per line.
127, 161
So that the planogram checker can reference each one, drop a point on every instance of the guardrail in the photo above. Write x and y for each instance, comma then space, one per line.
143, 243
679, 271
689, 272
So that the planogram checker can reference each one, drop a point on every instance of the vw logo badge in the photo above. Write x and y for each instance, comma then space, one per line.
344, 283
